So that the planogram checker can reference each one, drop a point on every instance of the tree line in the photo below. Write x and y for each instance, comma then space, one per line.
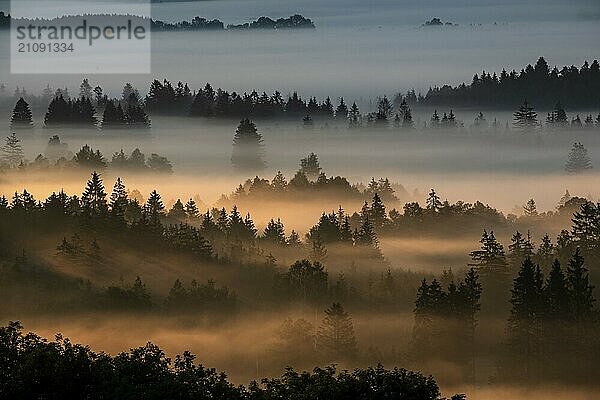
552, 323
202, 24
233, 236
57, 155
540, 83
577, 88
82, 111
549, 331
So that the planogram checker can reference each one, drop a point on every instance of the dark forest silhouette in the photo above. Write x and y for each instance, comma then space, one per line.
202, 24
534, 87
35, 368
540, 84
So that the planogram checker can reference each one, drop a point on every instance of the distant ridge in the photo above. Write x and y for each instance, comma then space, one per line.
198, 23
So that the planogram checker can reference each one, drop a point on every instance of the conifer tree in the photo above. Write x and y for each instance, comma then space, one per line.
326, 109
525, 118
406, 115
130, 94
470, 290
278, 183
354, 116
86, 112
335, 338
58, 112
310, 167
527, 300
580, 290
250, 228
118, 201
294, 239
275, 232
299, 181
520, 248
154, 210
87, 157
378, 214
433, 202
384, 110
346, 231
313, 106
578, 161
341, 112
119, 160
93, 199
490, 259
545, 253
21, 116
366, 234
235, 227
137, 160
136, 117
222, 220
247, 147
177, 211
585, 231
85, 89
556, 293
112, 118
191, 210
557, 118
319, 252
450, 121
12, 151
434, 122
530, 209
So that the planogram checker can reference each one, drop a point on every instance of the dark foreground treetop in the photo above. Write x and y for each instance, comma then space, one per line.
34, 368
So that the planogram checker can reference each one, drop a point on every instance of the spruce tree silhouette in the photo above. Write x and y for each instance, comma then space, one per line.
341, 112
525, 118
384, 110
557, 118
490, 259
557, 293
274, 232
88, 158
580, 290
335, 338
525, 321
21, 116
248, 148
118, 201
154, 211
113, 117
191, 210
578, 161
93, 199
310, 166
406, 115
354, 116
12, 151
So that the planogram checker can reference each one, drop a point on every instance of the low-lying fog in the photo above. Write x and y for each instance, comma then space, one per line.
504, 170
360, 50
